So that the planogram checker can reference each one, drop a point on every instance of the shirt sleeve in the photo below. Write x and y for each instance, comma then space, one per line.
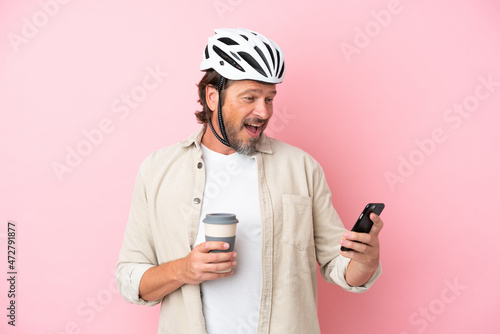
138, 253
328, 230
340, 269
128, 279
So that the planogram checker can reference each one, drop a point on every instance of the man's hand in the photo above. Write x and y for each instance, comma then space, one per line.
201, 265
198, 266
365, 253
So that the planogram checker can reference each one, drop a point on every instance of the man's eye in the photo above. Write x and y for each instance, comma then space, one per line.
269, 100
249, 98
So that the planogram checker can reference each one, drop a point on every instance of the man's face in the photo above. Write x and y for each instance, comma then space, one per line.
247, 109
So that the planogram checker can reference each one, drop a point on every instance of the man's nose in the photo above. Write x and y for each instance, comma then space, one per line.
263, 110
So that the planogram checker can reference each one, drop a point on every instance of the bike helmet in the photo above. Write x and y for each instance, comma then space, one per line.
241, 54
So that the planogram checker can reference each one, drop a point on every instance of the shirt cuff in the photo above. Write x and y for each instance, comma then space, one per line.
129, 279
340, 269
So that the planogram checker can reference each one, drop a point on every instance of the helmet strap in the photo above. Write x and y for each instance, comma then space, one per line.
222, 128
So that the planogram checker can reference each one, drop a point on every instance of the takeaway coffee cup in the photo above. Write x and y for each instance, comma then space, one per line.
221, 227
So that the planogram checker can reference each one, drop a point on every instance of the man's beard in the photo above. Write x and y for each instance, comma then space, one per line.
243, 147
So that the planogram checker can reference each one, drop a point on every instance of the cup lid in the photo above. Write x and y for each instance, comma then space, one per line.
220, 218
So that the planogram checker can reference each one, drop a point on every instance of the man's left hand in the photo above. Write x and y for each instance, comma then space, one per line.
365, 252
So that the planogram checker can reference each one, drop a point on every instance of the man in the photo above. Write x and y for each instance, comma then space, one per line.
278, 192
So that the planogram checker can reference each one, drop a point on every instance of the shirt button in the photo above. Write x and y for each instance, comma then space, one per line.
196, 200
199, 165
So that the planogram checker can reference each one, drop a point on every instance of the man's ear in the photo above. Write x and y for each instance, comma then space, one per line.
212, 97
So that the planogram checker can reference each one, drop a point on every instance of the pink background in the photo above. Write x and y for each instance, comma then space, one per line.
369, 92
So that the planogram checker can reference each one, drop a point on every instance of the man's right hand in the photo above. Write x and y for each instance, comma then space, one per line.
198, 266
201, 265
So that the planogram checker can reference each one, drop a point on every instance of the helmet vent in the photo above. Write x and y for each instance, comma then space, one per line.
245, 37
235, 55
250, 60
282, 70
227, 58
206, 52
228, 41
270, 52
278, 62
259, 51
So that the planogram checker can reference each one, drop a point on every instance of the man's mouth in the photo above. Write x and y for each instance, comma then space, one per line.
254, 129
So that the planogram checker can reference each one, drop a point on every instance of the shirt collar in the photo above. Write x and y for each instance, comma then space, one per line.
263, 146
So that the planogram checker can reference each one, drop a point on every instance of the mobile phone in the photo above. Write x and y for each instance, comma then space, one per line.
364, 223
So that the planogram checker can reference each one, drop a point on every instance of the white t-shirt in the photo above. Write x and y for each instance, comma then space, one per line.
231, 305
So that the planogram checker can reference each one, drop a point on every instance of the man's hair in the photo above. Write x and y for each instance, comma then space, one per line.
211, 78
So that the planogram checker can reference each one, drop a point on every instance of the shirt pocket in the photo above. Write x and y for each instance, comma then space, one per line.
297, 221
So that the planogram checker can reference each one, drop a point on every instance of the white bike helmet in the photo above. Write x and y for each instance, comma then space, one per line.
241, 54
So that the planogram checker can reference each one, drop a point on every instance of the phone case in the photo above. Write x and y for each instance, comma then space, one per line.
364, 223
